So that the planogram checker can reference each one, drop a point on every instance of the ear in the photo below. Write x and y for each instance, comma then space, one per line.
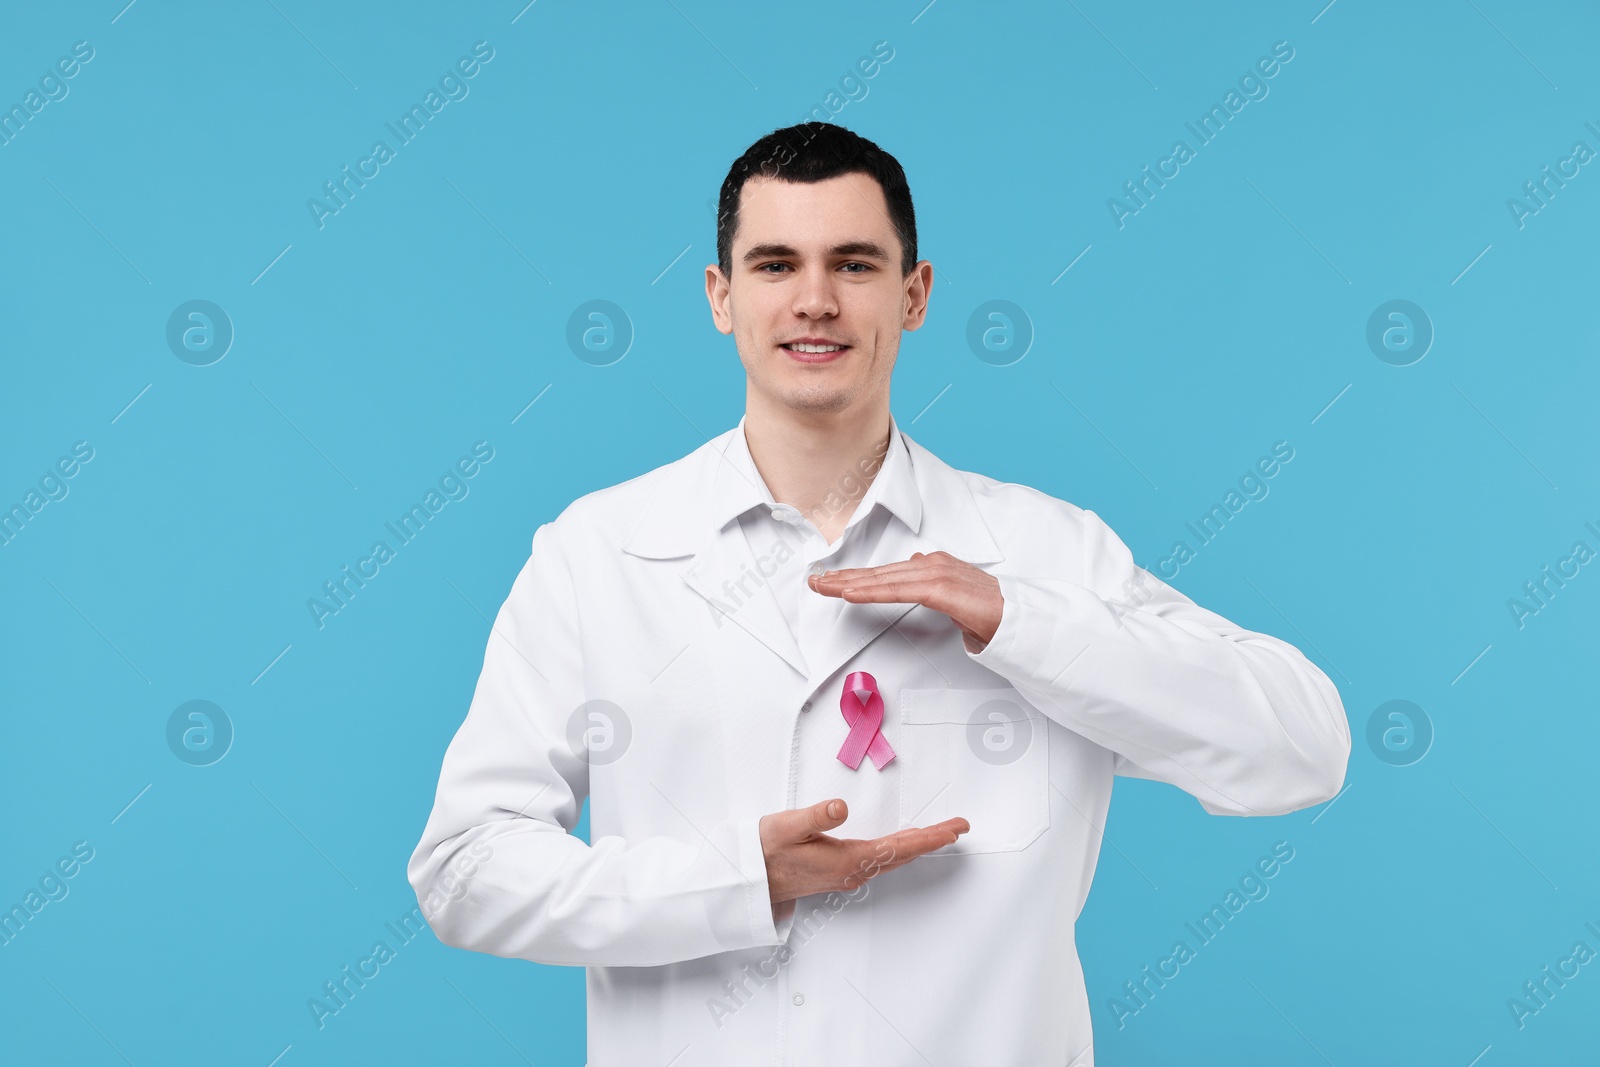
717, 297
919, 283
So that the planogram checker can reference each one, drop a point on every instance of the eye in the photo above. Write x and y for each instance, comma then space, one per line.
864, 267
763, 268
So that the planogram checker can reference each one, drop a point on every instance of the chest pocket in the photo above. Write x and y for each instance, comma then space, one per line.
980, 754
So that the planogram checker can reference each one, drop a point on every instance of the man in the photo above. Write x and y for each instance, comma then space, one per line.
847, 717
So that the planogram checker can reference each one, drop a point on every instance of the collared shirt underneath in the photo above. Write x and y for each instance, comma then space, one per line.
788, 547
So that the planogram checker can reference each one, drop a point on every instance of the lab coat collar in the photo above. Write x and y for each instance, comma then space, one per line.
740, 487
685, 519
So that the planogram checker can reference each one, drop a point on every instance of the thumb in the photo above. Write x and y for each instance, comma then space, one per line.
827, 815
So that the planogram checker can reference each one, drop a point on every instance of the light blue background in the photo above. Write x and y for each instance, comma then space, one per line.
1228, 314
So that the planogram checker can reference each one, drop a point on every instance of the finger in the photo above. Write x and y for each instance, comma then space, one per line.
903, 846
917, 581
916, 565
940, 834
902, 588
794, 825
825, 815
940, 558
888, 591
906, 845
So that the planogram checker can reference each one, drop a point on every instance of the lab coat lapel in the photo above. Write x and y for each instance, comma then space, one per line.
949, 520
675, 525
682, 519
724, 573
861, 624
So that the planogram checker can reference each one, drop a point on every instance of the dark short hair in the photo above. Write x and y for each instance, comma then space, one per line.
814, 152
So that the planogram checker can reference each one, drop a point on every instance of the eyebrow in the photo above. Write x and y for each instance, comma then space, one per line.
863, 249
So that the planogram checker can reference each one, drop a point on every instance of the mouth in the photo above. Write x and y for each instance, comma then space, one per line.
814, 351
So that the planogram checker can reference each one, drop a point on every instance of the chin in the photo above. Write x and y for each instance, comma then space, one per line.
815, 401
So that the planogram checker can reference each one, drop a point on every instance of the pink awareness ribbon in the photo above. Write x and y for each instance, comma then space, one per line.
863, 710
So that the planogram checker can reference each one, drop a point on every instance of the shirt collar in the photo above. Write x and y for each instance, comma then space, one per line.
740, 487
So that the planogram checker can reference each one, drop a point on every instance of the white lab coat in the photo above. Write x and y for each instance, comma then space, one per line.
965, 956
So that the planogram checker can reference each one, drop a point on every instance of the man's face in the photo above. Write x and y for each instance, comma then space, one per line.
817, 262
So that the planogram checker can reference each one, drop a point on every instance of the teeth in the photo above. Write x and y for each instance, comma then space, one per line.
813, 348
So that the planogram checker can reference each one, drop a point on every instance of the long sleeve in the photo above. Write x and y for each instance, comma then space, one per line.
498, 870
1240, 720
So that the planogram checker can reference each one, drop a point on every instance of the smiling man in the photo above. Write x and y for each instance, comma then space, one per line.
847, 717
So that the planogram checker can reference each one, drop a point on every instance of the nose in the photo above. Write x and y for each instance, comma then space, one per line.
814, 296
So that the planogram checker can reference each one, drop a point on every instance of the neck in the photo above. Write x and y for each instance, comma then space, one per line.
820, 463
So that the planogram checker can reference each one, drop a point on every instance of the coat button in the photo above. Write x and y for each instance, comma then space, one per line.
799, 998
806, 706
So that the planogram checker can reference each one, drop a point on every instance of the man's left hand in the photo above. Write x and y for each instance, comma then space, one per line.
937, 580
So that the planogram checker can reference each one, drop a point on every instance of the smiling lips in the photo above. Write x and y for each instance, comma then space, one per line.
814, 350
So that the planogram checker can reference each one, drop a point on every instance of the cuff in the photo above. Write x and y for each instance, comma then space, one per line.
784, 914
1026, 631
765, 926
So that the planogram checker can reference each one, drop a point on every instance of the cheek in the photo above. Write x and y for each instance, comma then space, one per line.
753, 312
886, 347
751, 336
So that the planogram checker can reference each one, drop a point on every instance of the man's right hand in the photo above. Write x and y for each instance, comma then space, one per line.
802, 859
